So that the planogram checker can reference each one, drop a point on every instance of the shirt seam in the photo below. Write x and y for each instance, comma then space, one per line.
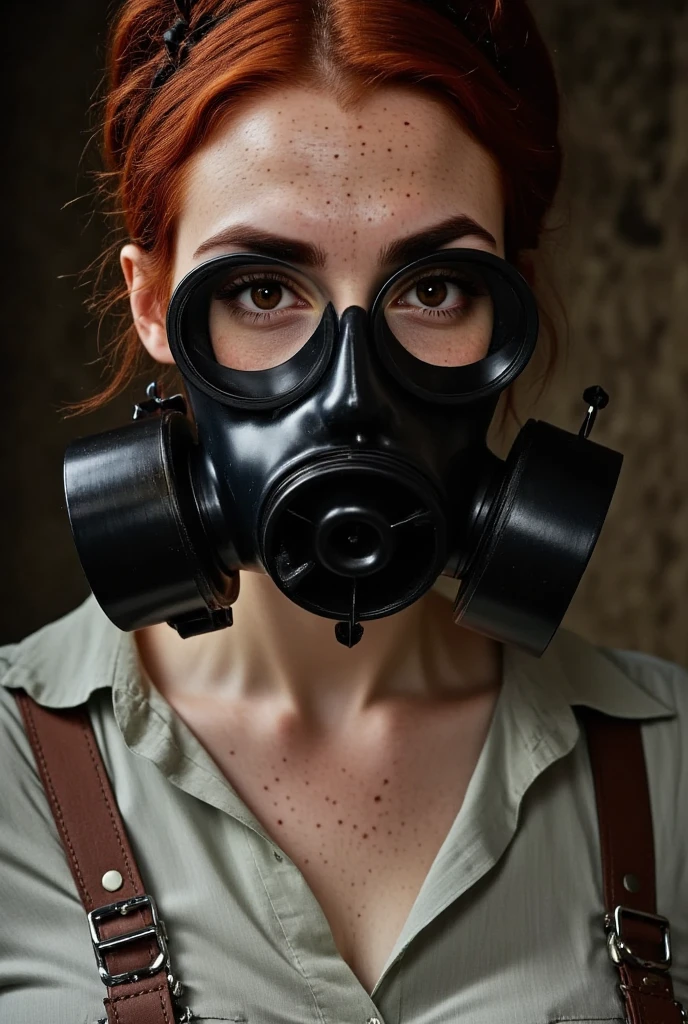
183, 754
616, 657
187, 757
286, 937
583, 1020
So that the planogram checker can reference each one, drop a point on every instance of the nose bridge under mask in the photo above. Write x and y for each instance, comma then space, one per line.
356, 397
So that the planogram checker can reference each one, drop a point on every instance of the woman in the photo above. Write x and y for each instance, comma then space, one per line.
397, 829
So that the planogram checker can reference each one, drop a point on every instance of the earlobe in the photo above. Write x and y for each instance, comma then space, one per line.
147, 312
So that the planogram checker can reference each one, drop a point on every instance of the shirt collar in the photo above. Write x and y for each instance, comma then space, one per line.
574, 672
63, 663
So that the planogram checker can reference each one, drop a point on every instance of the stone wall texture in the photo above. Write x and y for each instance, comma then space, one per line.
621, 261
617, 251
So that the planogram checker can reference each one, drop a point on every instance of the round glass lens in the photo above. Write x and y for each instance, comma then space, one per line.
259, 317
442, 314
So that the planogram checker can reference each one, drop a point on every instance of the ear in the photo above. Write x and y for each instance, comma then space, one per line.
146, 308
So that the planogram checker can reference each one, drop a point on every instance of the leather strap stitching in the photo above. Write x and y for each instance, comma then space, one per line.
96, 767
136, 995
617, 759
65, 740
38, 748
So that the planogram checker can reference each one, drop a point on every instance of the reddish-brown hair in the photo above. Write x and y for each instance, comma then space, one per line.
487, 62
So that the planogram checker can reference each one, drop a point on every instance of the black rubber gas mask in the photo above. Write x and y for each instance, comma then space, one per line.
345, 456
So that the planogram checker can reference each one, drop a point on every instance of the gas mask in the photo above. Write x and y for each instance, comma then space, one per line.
344, 456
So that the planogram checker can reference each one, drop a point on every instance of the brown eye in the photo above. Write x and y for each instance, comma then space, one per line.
259, 318
267, 296
432, 291
443, 318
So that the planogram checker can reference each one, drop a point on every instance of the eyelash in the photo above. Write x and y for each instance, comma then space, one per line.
470, 288
231, 291
236, 287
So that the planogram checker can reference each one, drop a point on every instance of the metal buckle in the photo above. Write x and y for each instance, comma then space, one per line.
619, 950
101, 946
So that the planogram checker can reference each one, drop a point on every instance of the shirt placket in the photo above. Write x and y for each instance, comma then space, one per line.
337, 995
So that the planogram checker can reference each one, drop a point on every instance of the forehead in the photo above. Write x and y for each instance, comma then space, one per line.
296, 158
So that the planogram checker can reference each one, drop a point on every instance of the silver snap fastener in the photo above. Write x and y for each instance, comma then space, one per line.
112, 880
373, 1020
631, 883
278, 856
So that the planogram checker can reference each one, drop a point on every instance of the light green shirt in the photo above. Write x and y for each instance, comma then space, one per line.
507, 928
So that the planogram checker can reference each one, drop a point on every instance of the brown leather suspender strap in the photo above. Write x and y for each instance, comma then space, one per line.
638, 938
128, 938
130, 942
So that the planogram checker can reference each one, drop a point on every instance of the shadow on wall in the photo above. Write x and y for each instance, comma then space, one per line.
621, 263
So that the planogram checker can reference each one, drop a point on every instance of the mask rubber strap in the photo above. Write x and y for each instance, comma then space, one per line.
136, 969
638, 939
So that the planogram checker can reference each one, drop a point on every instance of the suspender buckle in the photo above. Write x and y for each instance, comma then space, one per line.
619, 950
156, 930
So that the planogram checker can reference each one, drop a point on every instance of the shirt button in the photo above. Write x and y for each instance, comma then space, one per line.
373, 1020
278, 856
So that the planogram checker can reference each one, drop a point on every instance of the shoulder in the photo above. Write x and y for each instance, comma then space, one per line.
15, 751
665, 680
665, 740
665, 730
27, 829
652, 691
62, 663
16, 757
633, 685
59, 666
620, 682
27, 666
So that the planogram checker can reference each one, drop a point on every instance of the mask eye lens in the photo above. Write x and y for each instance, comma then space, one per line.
442, 315
259, 317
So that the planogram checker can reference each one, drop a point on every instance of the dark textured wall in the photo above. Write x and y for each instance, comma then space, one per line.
622, 263
52, 66
618, 249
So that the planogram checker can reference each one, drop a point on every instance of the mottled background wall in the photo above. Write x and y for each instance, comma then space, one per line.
618, 249
622, 263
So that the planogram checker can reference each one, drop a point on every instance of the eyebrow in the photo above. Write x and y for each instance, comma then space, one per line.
291, 250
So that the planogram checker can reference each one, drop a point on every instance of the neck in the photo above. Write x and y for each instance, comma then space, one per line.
282, 654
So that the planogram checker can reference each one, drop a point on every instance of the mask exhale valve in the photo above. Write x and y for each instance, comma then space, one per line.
353, 561
344, 456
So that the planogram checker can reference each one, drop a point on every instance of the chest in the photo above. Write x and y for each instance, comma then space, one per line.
511, 928
362, 817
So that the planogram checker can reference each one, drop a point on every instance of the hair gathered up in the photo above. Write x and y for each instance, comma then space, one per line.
485, 59
180, 38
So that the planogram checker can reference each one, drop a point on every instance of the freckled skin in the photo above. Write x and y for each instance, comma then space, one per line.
350, 183
339, 848
341, 206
